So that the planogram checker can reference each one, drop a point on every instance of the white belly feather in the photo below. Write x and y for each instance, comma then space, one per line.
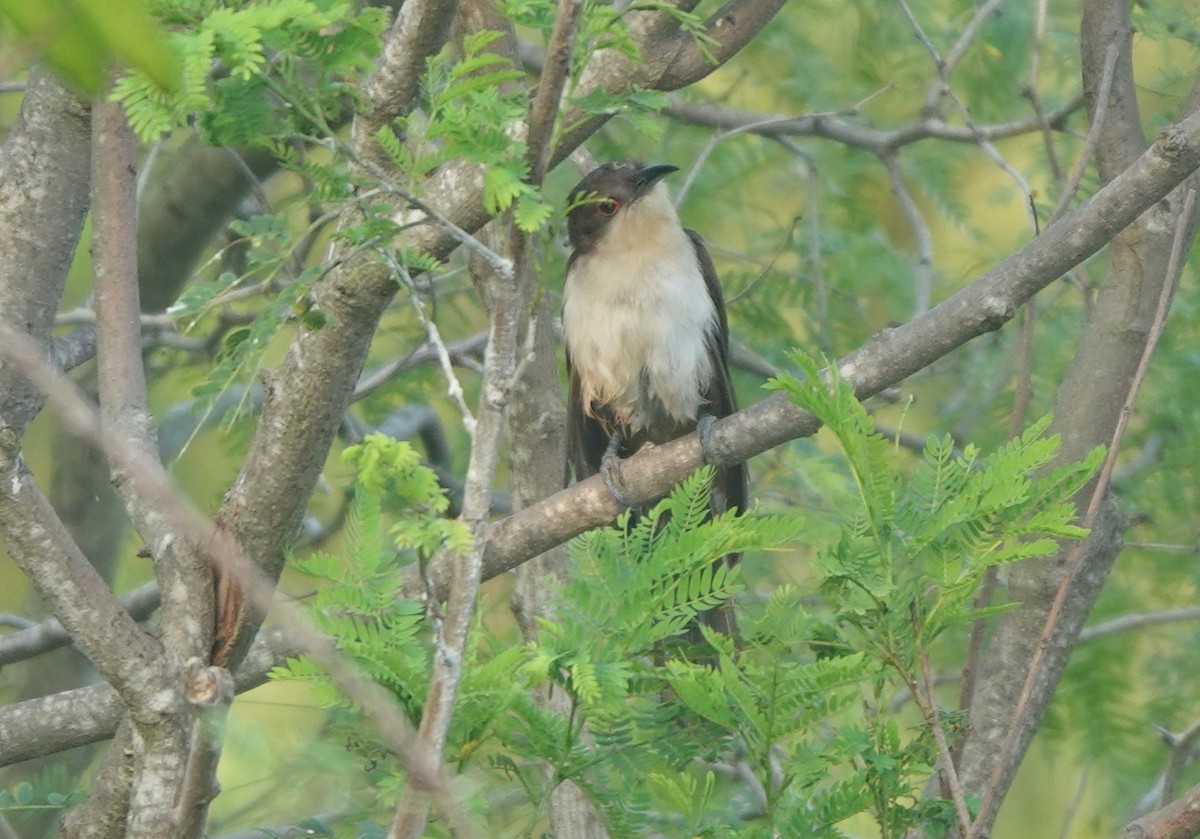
637, 317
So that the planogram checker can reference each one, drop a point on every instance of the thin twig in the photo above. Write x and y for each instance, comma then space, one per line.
715, 140
37, 638
1181, 755
929, 708
1093, 136
1030, 91
1065, 832
944, 67
970, 670
923, 291
458, 353
1137, 621
454, 387
387, 184
506, 290
854, 133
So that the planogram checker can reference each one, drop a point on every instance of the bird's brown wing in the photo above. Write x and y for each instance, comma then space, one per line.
586, 437
730, 490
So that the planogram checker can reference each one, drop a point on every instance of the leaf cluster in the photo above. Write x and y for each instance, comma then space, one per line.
651, 706
307, 54
912, 555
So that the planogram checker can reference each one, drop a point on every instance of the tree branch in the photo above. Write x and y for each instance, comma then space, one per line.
303, 402
1178, 820
50, 635
85, 715
42, 548
839, 129
43, 201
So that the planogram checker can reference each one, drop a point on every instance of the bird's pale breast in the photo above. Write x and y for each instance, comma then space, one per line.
648, 352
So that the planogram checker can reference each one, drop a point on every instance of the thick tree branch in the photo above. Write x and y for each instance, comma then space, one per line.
419, 31
304, 400
74, 718
184, 577
1056, 595
1178, 820
43, 200
79, 598
1106, 24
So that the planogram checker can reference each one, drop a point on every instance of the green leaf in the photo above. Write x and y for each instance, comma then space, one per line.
83, 39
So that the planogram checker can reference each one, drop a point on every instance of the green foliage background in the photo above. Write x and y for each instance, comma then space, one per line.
814, 253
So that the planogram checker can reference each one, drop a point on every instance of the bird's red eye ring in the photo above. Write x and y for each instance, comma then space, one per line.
608, 207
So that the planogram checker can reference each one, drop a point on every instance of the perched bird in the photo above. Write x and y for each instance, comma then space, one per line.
646, 335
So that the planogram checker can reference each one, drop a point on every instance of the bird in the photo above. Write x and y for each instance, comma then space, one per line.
646, 334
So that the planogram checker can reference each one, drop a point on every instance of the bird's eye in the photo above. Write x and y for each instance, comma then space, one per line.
608, 207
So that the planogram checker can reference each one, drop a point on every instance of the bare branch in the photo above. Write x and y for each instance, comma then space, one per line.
43, 201
926, 699
87, 715
1138, 620
43, 549
1178, 820
923, 293
419, 31
50, 635
507, 302
183, 577
1106, 25
1089, 145
114, 257
544, 108
839, 129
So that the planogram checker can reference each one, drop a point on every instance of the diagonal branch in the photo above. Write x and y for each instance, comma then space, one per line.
40, 545
304, 401
43, 201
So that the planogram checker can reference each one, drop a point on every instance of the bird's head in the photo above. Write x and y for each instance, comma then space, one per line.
606, 195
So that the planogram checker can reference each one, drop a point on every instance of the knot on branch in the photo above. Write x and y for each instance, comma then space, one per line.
995, 311
1172, 141
10, 441
207, 686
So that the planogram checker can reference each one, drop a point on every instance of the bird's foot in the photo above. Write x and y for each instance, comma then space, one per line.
704, 431
610, 470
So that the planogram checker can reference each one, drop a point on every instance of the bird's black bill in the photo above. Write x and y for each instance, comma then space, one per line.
651, 175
